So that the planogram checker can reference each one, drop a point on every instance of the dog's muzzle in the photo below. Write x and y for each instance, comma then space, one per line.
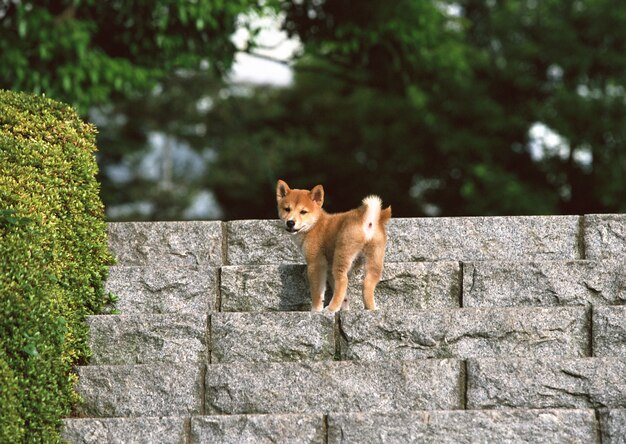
291, 226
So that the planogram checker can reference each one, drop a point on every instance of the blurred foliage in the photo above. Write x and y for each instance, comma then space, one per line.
177, 112
431, 104
88, 52
53, 261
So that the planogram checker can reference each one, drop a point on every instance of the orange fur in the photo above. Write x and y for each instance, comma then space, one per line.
332, 242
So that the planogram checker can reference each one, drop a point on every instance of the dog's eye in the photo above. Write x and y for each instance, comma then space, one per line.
287, 209
303, 212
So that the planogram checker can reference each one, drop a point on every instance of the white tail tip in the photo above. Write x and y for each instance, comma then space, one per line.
373, 201
372, 215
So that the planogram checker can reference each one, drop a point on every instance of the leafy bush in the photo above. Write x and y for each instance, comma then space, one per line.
53, 261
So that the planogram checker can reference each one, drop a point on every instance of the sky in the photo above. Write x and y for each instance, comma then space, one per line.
266, 68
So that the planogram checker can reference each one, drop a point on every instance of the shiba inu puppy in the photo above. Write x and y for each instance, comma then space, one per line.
332, 242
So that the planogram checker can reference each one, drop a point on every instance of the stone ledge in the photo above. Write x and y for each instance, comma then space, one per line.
543, 283
275, 337
613, 426
465, 333
167, 430
441, 426
484, 238
259, 242
164, 289
167, 243
146, 339
409, 286
605, 236
470, 426
546, 383
140, 390
333, 386
609, 331
235, 429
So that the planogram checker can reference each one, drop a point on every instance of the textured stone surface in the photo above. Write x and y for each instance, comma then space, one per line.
276, 337
144, 339
260, 242
613, 426
285, 288
264, 288
546, 283
170, 268
166, 243
124, 430
314, 387
465, 333
412, 286
140, 390
609, 331
426, 239
258, 429
546, 383
454, 427
605, 236
164, 289
483, 238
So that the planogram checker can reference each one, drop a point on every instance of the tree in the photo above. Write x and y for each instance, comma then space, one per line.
174, 115
432, 104
561, 63
88, 52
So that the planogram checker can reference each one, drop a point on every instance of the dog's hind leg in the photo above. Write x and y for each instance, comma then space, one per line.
374, 253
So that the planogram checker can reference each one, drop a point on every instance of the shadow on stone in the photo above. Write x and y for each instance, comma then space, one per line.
294, 291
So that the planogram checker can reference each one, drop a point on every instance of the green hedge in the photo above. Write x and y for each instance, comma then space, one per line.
53, 261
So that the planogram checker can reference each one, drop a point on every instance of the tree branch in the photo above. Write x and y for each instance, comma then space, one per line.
266, 57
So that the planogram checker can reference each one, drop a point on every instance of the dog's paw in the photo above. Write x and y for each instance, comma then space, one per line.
328, 310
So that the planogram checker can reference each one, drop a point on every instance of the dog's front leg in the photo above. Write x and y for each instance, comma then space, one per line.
316, 273
341, 268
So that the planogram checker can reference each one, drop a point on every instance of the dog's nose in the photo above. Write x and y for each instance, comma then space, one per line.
291, 223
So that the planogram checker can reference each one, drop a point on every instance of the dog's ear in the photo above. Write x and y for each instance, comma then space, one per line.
317, 195
282, 189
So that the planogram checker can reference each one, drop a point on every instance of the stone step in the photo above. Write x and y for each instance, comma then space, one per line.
310, 387
258, 429
359, 335
260, 242
276, 337
294, 387
164, 289
167, 243
609, 331
544, 283
605, 236
411, 286
162, 430
452, 426
546, 383
140, 390
469, 426
409, 335
613, 425
411, 239
465, 333
144, 339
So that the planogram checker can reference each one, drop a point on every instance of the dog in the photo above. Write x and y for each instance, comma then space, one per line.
332, 242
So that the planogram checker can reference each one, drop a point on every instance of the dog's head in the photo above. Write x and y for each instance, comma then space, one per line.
299, 209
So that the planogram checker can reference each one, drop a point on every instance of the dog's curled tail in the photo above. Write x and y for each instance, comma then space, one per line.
374, 215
